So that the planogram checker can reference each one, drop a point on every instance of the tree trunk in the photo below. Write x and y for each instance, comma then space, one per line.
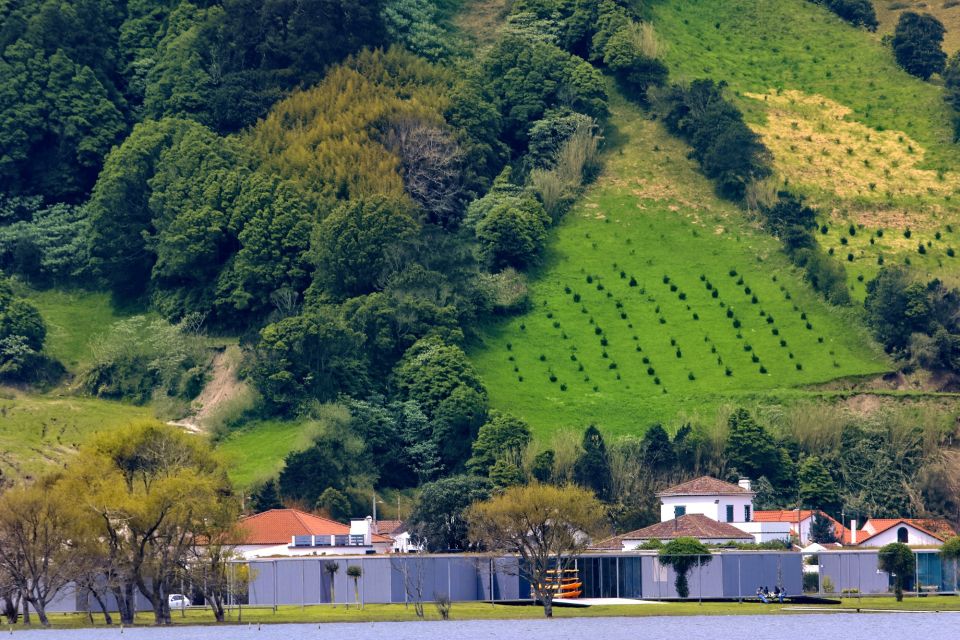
125, 602
26, 610
107, 618
548, 607
11, 609
41, 613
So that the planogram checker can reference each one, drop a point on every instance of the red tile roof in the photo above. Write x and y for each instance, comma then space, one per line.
936, 527
692, 525
278, 526
704, 486
790, 516
389, 527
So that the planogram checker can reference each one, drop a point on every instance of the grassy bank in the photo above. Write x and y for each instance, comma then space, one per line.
483, 611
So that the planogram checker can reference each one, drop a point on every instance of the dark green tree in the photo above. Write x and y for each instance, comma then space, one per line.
750, 449
431, 371
502, 437
682, 554
335, 504
917, 44
355, 246
438, 517
313, 356
592, 467
897, 306
513, 234
336, 460
822, 530
766, 495
265, 497
897, 560
658, 452
542, 467
817, 487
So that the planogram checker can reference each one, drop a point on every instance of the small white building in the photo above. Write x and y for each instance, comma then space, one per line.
397, 531
798, 523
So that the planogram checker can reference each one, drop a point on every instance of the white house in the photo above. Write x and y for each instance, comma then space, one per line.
914, 532
290, 532
799, 522
718, 500
397, 531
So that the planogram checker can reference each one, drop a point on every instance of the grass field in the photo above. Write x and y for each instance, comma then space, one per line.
483, 611
256, 451
39, 431
889, 11
73, 319
657, 300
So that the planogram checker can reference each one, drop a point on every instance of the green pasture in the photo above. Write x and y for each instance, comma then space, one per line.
657, 301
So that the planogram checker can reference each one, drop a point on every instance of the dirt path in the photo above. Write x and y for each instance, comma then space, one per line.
224, 385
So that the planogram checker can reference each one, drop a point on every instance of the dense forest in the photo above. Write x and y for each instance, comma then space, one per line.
353, 189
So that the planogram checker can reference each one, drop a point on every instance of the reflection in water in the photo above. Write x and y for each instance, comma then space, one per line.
833, 626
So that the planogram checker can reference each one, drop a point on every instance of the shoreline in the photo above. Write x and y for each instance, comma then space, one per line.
469, 611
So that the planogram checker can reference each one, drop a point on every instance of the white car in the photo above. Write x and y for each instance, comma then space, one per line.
178, 601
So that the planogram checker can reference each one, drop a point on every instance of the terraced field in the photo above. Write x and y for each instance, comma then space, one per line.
659, 300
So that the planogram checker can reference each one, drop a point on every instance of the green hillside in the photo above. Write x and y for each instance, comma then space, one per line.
863, 139
653, 217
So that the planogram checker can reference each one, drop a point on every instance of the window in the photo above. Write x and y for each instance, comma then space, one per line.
679, 510
746, 513
357, 540
902, 535
729, 513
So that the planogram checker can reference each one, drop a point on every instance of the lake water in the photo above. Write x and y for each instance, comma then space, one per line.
831, 626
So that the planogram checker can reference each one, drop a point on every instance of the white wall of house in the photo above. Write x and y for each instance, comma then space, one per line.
765, 531
251, 551
915, 537
714, 507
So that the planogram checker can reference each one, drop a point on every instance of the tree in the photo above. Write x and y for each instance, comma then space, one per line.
353, 246
542, 467
40, 531
897, 560
951, 551
430, 372
635, 70
503, 437
546, 525
750, 449
817, 487
822, 530
682, 554
355, 571
505, 473
313, 356
265, 497
334, 503
658, 451
331, 567
917, 44
209, 563
513, 235
859, 13
438, 518
897, 306
592, 468
149, 489
766, 495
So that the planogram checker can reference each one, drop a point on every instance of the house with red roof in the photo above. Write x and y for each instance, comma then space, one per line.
799, 521
914, 532
291, 532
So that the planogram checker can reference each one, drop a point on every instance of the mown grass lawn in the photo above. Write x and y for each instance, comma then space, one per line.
484, 611
659, 302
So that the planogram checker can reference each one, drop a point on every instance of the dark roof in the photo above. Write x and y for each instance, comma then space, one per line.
704, 486
693, 525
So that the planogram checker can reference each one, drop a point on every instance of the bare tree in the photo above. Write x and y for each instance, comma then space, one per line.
432, 169
412, 574
37, 526
209, 564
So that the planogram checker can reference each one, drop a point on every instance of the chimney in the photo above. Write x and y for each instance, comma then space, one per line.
853, 532
745, 484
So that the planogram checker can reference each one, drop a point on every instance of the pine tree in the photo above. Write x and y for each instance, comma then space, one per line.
592, 468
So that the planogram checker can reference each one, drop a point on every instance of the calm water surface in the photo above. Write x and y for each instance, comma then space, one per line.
832, 626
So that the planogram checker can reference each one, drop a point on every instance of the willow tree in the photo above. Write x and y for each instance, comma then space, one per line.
151, 490
545, 525
682, 554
